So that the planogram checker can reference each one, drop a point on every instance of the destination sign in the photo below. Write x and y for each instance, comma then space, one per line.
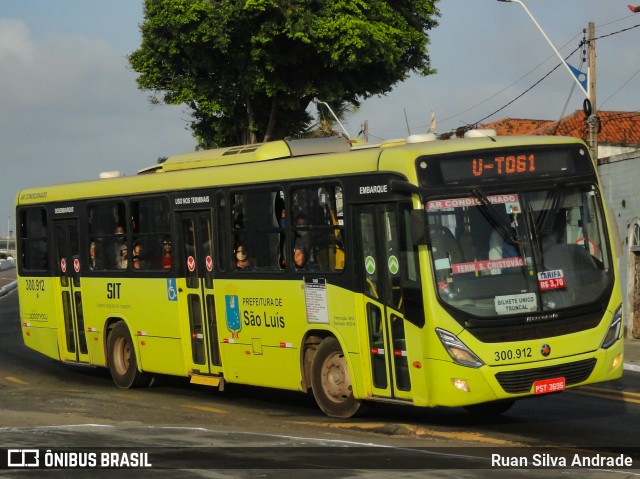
503, 164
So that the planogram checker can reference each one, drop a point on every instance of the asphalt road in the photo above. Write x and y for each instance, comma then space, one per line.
45, 404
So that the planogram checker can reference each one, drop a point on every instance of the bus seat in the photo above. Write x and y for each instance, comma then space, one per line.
444, 245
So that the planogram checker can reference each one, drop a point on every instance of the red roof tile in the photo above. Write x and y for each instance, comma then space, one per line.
618, 127
516, 126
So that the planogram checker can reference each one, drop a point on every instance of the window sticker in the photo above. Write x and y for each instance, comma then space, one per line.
511, 202
516, 303
487, 265
549, 280
370, 265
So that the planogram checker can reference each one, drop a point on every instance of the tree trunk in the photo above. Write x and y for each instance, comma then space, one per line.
272, 119
250, 138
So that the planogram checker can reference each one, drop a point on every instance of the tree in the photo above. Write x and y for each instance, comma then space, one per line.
248, 69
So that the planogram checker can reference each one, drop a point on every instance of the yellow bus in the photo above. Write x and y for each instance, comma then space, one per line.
465, 272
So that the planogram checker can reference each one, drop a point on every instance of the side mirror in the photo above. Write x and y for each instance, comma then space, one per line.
419, 231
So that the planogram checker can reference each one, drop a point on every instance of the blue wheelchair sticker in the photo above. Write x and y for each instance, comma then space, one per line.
172, 292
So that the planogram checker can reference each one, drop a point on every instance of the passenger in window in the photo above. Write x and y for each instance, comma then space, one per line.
137, 256
92, 255
278, 260
502, 248
166, 253
243, 263
122, 256
301, 243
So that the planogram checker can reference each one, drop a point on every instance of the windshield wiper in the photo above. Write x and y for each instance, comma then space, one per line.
535, 238
548, 215
503, 228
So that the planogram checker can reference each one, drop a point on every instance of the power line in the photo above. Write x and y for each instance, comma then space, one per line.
513, 83
582, 43
528, 89
557, 66
617, 32
621, 87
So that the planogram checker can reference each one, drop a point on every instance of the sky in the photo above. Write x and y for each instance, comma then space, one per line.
70, 107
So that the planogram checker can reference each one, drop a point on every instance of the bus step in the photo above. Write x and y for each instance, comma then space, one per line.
215, 381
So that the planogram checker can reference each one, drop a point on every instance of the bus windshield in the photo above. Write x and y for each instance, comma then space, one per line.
519, 252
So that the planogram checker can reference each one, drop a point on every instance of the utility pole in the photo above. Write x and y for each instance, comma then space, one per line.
590, 101
365, 131
593, 121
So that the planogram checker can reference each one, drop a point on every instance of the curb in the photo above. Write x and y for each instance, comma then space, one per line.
9, 287
631, 367
6, 265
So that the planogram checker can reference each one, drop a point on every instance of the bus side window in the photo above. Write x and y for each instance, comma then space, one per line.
108, 233
256, 225
317, 225
33, 238
151, 234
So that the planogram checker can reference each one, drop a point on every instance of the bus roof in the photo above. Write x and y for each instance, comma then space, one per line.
256, 152
273, 161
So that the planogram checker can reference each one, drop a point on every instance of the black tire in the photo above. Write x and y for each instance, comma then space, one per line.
122, 359
490, 408
331, 381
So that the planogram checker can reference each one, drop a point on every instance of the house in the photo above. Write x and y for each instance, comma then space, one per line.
619, 170
620, 130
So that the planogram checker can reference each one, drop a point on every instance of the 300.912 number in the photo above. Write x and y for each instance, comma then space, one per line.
510, 354
35, 284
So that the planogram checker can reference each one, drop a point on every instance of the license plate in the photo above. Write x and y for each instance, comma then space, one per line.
548, 386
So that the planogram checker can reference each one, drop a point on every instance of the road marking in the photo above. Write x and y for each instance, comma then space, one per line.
412, 430
610, 391
205, 408
608, 394
135, 397
15, 380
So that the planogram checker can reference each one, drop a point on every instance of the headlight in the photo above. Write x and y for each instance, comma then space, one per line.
613, 333
458, 351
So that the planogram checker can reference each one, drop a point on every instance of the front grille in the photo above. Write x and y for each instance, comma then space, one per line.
515, 382
499, 332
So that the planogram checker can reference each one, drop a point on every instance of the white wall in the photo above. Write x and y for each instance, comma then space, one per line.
620, 178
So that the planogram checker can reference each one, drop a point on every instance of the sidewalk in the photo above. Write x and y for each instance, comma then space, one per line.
632, 355
7, 277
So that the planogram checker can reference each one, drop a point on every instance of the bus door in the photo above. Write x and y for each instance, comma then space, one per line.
67, 268
195, 249
381, 261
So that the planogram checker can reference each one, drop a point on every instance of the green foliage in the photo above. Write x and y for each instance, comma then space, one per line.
248, 69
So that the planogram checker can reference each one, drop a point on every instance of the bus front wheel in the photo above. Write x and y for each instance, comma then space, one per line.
122, 359
331, 381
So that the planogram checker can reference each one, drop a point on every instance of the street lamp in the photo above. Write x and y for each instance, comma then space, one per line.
317, 101
572, 71
590, 102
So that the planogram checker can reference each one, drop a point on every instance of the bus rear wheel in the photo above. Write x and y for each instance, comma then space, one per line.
331, 381
122, 359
